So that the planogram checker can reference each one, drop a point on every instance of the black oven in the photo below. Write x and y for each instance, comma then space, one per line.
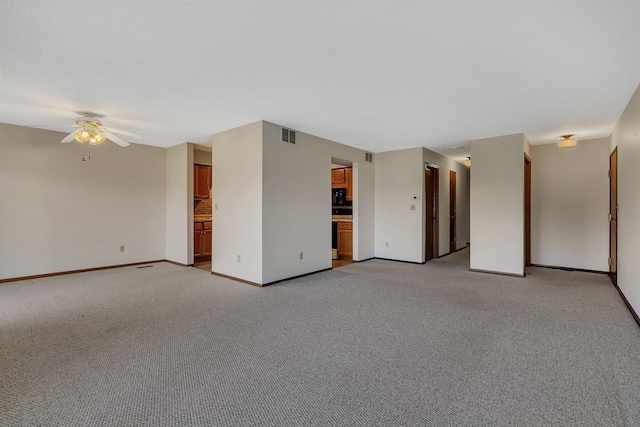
339, 197
334, 235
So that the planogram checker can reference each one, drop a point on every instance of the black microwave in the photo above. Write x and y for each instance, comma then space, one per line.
339, 197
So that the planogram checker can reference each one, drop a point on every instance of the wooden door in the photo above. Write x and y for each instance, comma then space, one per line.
431, 220
452, 211
527, 210
613, 216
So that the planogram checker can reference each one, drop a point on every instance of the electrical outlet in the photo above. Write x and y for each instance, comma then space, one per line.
238, 258
122, 248
216, 206
386, 244
301, 255
412, 207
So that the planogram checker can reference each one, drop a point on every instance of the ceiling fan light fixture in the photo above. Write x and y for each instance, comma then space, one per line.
96, 138
567, 142
82, 136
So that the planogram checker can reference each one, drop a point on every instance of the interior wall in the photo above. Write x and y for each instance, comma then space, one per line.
179, 203
297, 203
364, 203
399, 185
626, 136
59, 213
237, 202
497, 204
569, 205
201, 157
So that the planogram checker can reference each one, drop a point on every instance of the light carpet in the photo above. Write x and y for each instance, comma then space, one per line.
374, 343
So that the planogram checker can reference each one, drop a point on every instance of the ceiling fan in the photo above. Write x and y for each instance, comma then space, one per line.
90, 130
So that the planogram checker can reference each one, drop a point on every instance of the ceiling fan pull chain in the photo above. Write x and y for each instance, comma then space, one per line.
86, 152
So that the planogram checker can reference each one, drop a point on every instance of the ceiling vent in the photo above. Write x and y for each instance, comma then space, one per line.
288, 135
368, 157
459, 147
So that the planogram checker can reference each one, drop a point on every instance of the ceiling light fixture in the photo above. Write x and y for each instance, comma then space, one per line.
93, 137
567, 142
90, 132
467, 161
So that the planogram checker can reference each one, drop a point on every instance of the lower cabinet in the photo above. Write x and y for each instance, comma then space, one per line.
202, 241
345, 239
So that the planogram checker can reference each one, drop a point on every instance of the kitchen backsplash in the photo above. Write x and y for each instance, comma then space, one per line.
202, 207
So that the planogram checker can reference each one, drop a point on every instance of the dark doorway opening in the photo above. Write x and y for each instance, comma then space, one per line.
431, 220
452, 211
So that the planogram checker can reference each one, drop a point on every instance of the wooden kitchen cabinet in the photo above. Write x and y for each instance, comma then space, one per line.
201, 181
338, 176
348, 173
202, 233
345, 239
206, 239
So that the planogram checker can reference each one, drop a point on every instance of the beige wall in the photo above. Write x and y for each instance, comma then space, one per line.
497, 204
237, 202
179, 203
201, 157
58, 213
297, 203
400, 231
626, 137
274, 201
399, 184
569, 205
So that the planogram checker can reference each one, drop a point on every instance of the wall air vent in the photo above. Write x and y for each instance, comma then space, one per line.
368, 157
288, 135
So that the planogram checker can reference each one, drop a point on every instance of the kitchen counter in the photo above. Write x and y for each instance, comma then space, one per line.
201, 218
342, 218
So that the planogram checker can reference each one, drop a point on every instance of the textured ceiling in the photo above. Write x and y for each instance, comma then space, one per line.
378, 75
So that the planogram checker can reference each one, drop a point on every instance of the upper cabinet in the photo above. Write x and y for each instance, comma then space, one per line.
201, 181
343, 178
348, 172
338, 176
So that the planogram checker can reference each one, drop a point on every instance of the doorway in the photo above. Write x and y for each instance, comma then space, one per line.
527, 210
431, 221
613, 216
342, 198
452, 211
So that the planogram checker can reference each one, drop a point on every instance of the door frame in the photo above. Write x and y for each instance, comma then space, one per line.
613, 216
527, 210
452, 211
434, 171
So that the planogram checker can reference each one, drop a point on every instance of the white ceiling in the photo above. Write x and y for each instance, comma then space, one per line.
378, 75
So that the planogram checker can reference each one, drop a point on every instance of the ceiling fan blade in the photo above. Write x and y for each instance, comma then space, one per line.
51, 126
123, 132
121, 142
69, 137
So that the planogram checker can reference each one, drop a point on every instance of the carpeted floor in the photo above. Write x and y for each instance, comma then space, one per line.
373, 343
